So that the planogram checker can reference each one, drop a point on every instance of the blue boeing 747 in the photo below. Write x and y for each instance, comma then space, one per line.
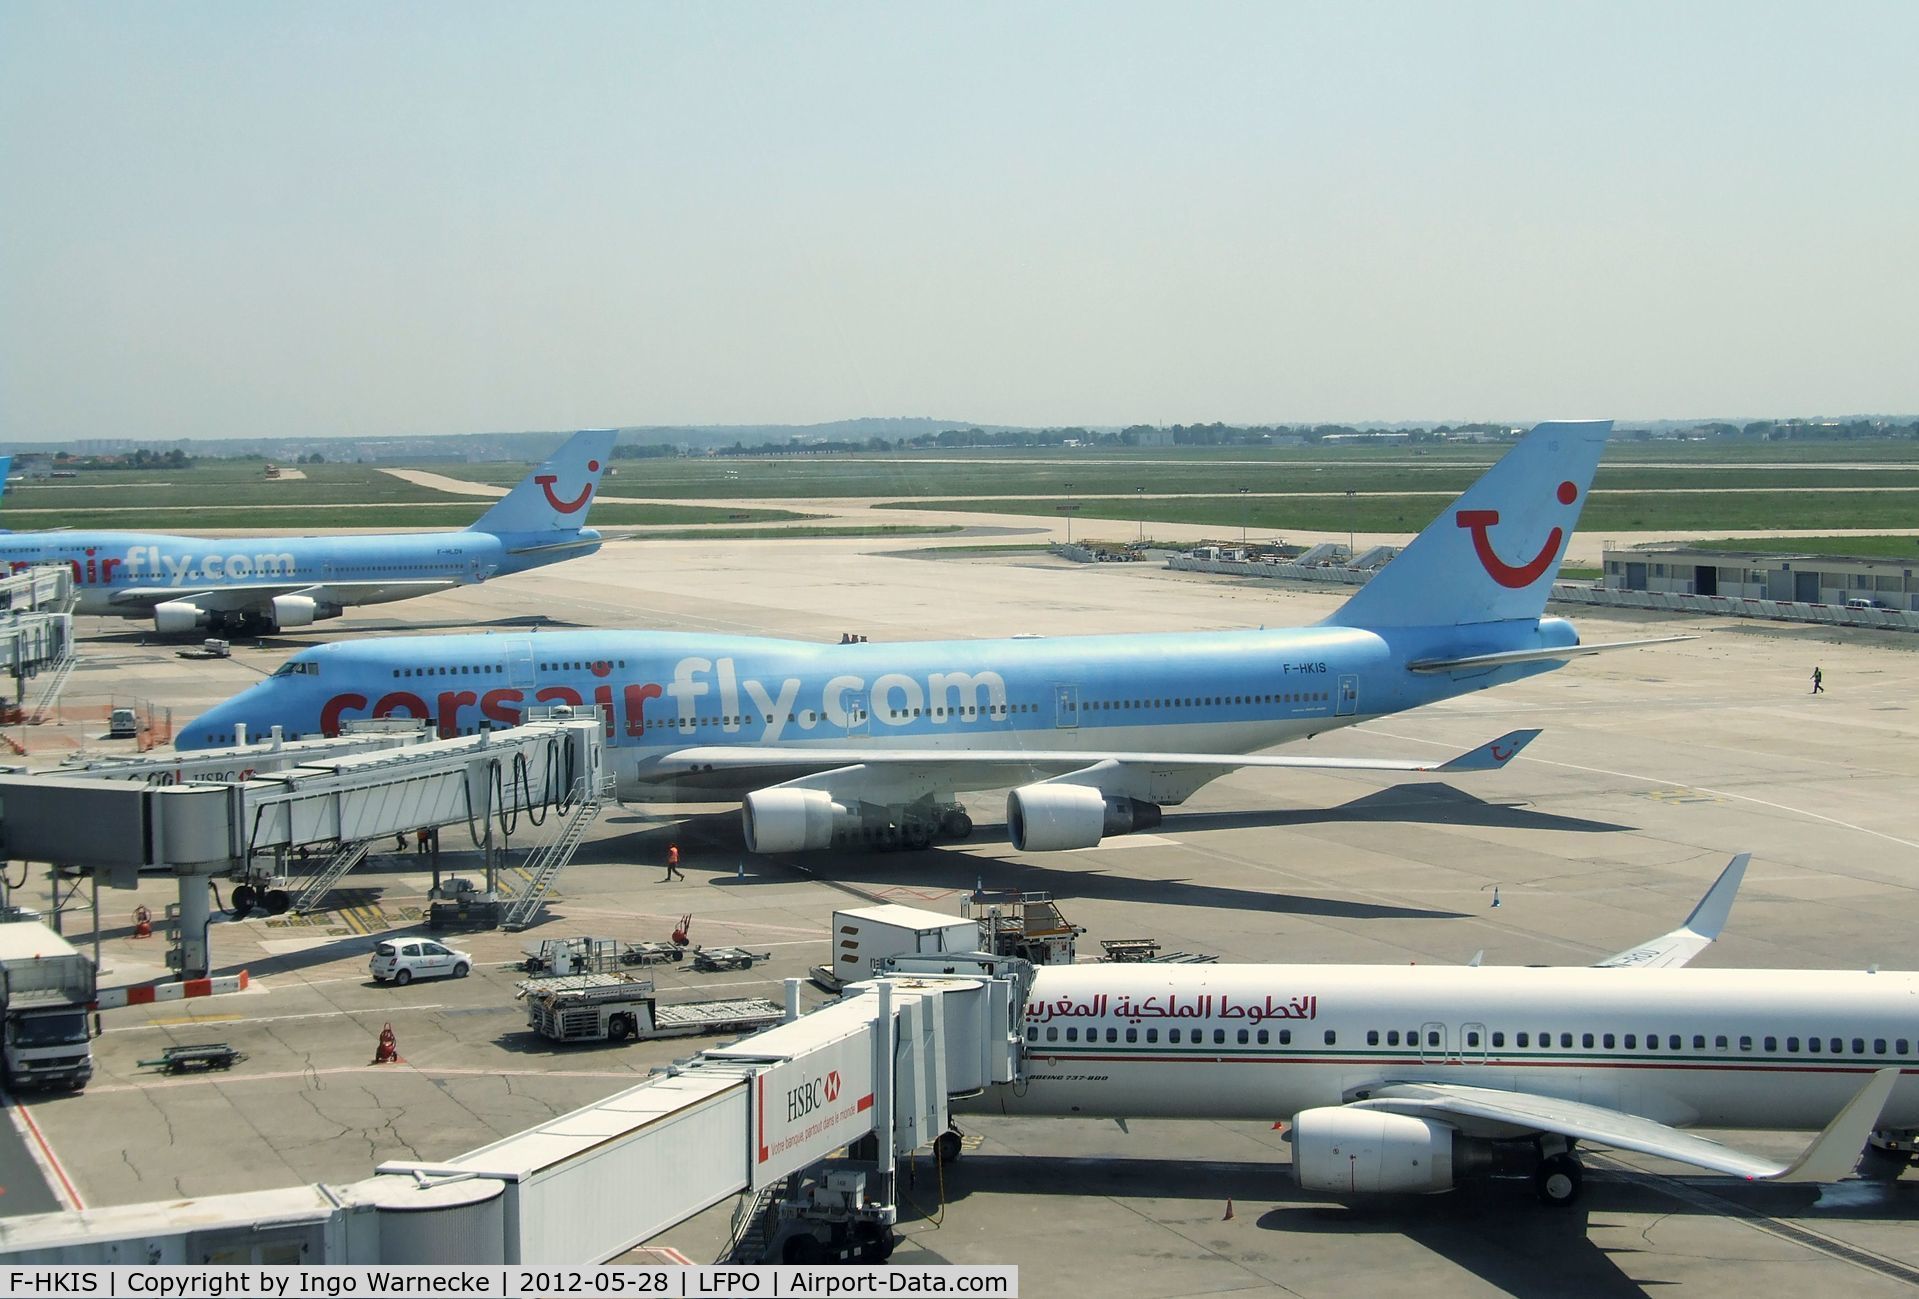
255, 583
826, 744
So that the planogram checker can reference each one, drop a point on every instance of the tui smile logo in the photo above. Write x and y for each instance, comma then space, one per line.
1513, 575
546, 482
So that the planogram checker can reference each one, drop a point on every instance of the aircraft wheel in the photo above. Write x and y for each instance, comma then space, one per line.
916, 836
1557, 1180
244, 898
947, 1148
277, 902
957, 825
804, 1251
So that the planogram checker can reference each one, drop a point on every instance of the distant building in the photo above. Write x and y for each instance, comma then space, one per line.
1752, 575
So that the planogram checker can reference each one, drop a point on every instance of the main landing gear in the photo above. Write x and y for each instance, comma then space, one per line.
1558, 1179
913, 829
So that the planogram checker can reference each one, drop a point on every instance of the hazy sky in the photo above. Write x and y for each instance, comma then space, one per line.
251, 218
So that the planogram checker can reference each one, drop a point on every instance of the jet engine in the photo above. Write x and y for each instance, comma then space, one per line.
295, 610
1049, 818
1353, 1151
178, 616
791, 820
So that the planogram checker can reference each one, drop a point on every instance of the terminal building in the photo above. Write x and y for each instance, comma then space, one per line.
1751, 575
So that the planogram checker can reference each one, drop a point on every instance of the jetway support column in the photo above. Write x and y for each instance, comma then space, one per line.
886, 1034
196, 911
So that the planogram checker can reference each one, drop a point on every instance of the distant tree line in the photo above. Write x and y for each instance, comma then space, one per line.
141, 459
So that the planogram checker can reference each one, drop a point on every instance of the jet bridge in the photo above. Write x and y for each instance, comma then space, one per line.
761, 1118
171, 813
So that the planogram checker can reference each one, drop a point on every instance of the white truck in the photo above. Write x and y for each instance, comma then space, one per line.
865, 937
46, 990
614, 1007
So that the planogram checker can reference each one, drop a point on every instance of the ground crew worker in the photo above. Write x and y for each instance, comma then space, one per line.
672, 863
1818, 679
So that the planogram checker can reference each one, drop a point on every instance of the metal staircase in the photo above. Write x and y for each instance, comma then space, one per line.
755, 1224
331, 871
50, 692
546, 862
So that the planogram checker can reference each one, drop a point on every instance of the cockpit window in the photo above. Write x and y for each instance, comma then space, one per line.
294, 668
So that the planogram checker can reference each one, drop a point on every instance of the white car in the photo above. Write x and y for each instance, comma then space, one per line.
405, 959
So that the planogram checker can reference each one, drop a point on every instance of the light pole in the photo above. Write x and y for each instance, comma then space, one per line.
1140, 494
1352, 505
1069, 514
1245, 507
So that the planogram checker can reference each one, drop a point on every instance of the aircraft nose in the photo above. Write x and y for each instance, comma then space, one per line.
199, 733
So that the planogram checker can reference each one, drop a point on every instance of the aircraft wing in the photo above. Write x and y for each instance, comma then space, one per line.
258, 595
1486, 1111
992, 768
1669, 951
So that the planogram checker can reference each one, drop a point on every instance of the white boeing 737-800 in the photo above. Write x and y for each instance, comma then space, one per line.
255, 583
1414, 1078
826, 744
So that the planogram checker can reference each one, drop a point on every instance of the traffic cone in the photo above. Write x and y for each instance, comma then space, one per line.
1229, 1212
388, 1052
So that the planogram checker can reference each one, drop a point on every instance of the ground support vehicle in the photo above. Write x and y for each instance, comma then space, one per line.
711, 960
46, 990
614, 1007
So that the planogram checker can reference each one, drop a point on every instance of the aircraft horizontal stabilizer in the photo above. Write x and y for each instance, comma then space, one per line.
1486, 1111
1670, 951
1471, 661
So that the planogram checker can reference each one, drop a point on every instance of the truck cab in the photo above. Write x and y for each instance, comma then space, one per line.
46, 990
47, 1045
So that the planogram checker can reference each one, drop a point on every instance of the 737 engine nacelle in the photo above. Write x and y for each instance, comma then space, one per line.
178, 616
1051, 818
791, 820
1362, 1152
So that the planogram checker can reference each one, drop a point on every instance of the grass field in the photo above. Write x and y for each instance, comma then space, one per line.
1168, 471
1614, 511
774, 534
1646, 486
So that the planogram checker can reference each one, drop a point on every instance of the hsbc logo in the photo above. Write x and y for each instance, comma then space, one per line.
811, 1095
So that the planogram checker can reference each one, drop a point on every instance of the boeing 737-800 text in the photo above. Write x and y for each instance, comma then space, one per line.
255, 583
1093, 735
1414, 1078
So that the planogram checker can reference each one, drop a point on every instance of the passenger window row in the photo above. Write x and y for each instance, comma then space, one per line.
1209, 701
1475, 1039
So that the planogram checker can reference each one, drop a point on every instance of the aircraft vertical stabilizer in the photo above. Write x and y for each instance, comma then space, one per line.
1494, 553
555, 496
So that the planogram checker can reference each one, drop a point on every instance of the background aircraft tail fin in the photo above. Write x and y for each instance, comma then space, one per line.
1494, 553
556, 495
